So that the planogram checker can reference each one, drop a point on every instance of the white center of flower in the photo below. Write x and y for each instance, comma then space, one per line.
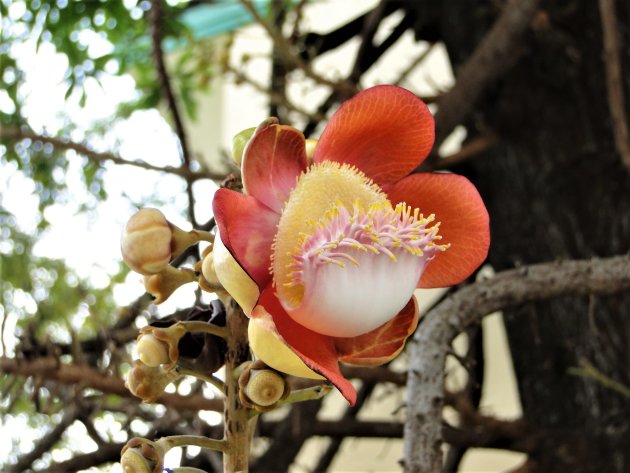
345, 262
359, 269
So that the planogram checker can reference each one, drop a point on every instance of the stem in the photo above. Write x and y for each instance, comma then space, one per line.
191, 440
216, 382
307, 394
238, 427
196, 326
203, 235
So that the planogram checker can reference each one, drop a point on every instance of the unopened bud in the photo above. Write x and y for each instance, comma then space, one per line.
149, 241
148, 382
239, 142
151, 351
142, 456
262, 387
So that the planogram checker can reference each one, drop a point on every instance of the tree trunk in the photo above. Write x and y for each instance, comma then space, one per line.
556, 188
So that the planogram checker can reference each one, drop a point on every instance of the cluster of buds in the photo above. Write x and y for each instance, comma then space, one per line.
150, 242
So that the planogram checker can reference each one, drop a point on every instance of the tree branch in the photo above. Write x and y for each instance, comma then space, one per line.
167, 92
484, 67
14, 133
51, 369
291, 58
614, 80
431, 342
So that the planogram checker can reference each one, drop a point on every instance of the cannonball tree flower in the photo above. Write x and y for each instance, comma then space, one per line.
331, 249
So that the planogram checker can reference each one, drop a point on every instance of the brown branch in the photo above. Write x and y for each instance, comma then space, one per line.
486, 64
473, 148
51, 369
13, 133
614, 80
431, 342
167, 92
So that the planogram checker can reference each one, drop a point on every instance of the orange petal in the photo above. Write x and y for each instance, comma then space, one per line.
272, 162
247, 228
382, 344
317, 351
385, 131
465, 223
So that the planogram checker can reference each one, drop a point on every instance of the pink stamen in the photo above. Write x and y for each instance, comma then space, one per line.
377, 230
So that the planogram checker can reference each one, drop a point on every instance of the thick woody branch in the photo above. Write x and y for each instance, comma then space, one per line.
51, 369
431, 342
486, 64
13, 133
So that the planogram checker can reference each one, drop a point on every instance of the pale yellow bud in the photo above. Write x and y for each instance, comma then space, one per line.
146, 242
149, 241
265, 387
151, 351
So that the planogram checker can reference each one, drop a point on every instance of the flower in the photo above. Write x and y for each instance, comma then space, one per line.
336, 247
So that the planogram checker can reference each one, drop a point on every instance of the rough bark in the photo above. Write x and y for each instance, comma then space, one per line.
556, 188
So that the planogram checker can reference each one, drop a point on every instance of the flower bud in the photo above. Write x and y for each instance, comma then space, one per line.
148, 382
163, 284
149, 241
262, 387
239, 142
142, 456
146, 242
159, 345
151, 351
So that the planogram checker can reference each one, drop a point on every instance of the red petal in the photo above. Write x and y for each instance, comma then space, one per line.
385, 131
465, 223
247, 229
272, 162
382, 344
316, 350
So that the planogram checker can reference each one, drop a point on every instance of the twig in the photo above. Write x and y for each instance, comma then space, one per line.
285, 49
14, 133
471, 149
484, 67
614, 80
51, 369
587, 370
167, 92
274, 98
415, 63
425, 387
